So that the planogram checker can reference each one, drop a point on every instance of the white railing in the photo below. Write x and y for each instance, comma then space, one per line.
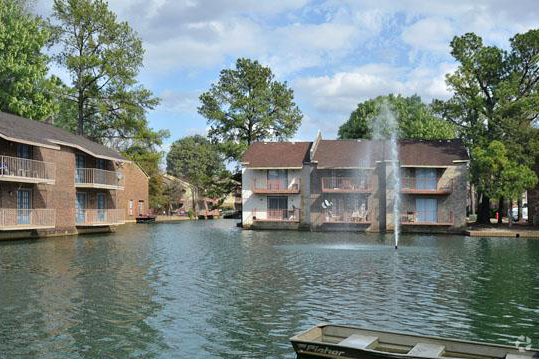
347, 217
97, 176
92, 217
27, 218
427, 217
277, 215
23, 167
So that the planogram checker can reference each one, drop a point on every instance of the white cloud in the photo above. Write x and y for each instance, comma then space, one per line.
430, 34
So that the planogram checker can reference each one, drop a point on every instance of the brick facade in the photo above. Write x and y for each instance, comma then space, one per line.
135, 189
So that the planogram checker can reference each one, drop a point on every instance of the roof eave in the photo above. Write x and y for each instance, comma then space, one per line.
89, 152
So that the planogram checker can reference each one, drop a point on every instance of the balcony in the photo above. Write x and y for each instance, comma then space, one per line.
16, 169
277, 215
432, 186
99, 217
347, 217
346, 185
96, 178
27, 219
276, 186
427, 218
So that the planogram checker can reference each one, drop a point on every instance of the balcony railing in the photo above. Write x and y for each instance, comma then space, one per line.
347, 217
97, 178
20, 219
346, 185
276, 186
99, 217
277, 215
427, 218
25, 170
426, 185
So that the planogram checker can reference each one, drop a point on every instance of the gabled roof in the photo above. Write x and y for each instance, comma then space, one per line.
348, 153
19, 129
432, 152
276, 155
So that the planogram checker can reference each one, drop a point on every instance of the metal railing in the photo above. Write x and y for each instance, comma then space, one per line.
346, 184
277, 215
23, 167
346, 217
427, 217
27, 218
97, 176
92, 217
276, 186
426, 185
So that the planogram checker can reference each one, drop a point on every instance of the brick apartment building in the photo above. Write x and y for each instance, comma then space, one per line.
55, 183
332, 185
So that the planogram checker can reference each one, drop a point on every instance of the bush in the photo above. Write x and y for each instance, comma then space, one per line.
192, 214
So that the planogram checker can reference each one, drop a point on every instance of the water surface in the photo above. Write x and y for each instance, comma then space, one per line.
207, 289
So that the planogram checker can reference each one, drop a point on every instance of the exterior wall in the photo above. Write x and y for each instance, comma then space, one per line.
257, 203
135, 183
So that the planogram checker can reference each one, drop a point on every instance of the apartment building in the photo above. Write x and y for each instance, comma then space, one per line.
348, 185
55, 183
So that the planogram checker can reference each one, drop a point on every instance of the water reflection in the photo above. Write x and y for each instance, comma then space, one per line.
209, 290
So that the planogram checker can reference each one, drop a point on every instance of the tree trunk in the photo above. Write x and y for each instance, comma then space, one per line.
500, 210
519, 213
510, 213
472, 199
483, 212
80, 119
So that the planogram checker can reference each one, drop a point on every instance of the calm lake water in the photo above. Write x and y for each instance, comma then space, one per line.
207, 289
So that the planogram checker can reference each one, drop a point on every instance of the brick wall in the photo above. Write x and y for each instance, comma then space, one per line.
135, 184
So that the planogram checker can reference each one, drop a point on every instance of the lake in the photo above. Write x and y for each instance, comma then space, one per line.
207, 289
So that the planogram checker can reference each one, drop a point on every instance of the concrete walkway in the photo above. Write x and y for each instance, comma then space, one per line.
515, 231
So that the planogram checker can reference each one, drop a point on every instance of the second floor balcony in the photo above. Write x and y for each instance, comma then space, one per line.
97, 178
346, 185
15, 169
427, 218
276, 186
414, 185
99, 217
347, 217
26, 219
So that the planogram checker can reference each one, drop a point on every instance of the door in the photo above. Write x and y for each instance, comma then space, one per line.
277, 207
427, 210
100, 173
80, 164
24, 205
140, 208
101, 207
277, 179
80, 207
426, 179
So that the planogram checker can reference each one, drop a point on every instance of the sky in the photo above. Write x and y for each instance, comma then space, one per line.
333, 54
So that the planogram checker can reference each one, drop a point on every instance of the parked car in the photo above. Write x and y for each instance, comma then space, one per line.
524, 212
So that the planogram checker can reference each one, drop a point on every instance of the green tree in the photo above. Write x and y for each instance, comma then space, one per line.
415, 119
246, 105
25, 89
200, 162
498, 176
103, 57
495, 97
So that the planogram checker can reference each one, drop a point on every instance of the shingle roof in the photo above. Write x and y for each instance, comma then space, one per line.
20, 129
277, 154
348, 153
431, 152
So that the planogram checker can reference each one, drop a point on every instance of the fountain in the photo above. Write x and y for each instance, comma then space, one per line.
385, 127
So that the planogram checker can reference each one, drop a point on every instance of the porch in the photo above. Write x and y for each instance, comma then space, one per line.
426, 186
346, 185
427, 218
276, 186
99, 217
276, 215
97, 178
27, 219
15, 169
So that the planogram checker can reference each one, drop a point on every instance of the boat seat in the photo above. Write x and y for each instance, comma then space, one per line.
425, 350
360, 341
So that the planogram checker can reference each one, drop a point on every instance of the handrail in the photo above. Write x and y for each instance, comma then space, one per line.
99, 216
34, 218
97, 176
277, 215
276, 185
347, 217
27, 168
417, 217
350, 184
412, 184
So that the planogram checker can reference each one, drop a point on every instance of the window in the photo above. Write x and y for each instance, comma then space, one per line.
80, 161
130, 207
24, 205
101, 164
277, 207
23, 151
277, 179
427, 209
140, 208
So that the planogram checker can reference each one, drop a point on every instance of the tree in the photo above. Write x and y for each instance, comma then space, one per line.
495, 97
415, 119
497, 176
199, 161
246, 105
103, 57
25, 89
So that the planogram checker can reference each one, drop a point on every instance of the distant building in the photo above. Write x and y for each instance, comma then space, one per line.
54, 183
347, 185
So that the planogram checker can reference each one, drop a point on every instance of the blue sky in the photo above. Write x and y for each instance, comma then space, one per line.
334, 54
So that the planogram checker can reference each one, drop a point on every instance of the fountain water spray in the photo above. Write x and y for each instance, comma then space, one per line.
385, 127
